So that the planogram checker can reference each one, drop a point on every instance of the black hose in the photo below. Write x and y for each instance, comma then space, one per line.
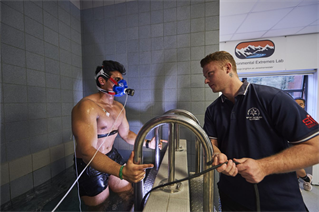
197, 175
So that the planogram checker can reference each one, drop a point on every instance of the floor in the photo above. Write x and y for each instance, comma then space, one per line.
311, 198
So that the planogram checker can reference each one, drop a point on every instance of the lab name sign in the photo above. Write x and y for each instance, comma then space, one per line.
257, 55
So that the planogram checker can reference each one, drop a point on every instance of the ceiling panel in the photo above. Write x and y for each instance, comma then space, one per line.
267, 18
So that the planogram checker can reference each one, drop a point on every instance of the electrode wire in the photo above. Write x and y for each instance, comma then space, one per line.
76, 180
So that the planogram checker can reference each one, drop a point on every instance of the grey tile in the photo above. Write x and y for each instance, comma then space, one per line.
75, 24
65, 56
52, 66
144, 19
50, 21
157, 30
183, 27
33, 28
157, 5
132, 20
157, 17
183, 40
12, 36
197, 10
15, 112
36, 94
64, 43
170, 42
121, 35
66, 83
184, 95
37, 110
169, 4
34, 44
12, 17
38, 143
12, 55
64, 16
5, 193
67, 108
33, 11
157, 43
51, 51
21, 185
157, 56
170, 15
14, 93
54, 109
212, 8
183, 54
198, 108
198, 39
197, 25
51, 36
197, 53
11, 130
183, 68
54, 138
35, 78
16, 5
51, 7
38, 127
144, 31
76, 36
76, 48
57, 167
183, 12
145, 45
14, 74
67, 97
53, 95
41, 175
197, 94
120, 22
212, 37
75, 12
52, 80
144, 6
121, 47
145, 58
18, 148
170, 28
65, 5
212, 23
65, 70
64, 30
170, 55
76, 60
66, 121
132, 7
35, 62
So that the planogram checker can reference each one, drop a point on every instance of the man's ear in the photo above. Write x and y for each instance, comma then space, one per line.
228, 67
101, 80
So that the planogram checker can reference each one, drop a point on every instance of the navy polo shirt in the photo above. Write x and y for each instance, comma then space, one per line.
260, 123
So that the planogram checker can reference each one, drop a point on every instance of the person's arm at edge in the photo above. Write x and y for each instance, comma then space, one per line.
291, 159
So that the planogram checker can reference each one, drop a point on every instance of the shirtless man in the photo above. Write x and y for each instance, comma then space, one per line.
96, 120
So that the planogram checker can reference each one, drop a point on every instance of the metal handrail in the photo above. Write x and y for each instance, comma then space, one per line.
198, 146
208, 178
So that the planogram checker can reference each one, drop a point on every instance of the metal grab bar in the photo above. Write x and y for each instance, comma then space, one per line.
198, 146
208, 178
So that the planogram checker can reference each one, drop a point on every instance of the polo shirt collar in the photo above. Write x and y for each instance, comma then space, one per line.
242, 90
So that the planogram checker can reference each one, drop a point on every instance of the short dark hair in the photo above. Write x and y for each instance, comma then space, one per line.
220, 56
299, 98
108, 67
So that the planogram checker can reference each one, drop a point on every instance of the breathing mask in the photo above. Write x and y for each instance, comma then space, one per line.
119, 89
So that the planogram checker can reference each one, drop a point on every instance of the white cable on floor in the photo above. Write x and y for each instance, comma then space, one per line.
89, 161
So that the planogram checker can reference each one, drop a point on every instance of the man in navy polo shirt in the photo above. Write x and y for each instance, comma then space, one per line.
250, 125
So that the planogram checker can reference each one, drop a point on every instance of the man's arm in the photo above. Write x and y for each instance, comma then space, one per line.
296, 157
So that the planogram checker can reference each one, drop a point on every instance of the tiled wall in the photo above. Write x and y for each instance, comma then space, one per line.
160, 43
41, 80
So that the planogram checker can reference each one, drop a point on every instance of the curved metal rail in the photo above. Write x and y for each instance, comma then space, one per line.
208, 178
198, 146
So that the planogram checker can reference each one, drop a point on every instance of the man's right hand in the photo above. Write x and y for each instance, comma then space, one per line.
134, 172
229, 169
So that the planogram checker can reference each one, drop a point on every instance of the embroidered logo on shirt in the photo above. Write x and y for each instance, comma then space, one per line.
253, 114
309, 121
